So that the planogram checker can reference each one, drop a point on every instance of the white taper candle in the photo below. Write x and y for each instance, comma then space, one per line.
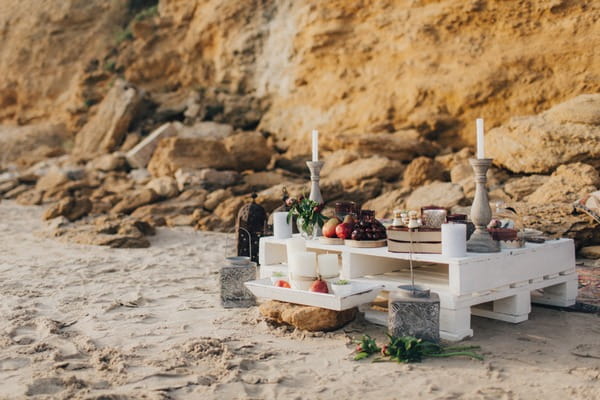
480, 142
315, 145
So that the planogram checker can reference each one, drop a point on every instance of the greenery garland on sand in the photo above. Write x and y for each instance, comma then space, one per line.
408, 349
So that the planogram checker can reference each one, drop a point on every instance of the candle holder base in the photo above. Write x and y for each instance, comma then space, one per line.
481, 242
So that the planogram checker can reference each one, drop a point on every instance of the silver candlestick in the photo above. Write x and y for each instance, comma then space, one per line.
315, 191
315, 177
481, 213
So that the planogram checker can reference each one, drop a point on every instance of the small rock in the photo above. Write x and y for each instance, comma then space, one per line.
205, 178
69, 207
164, 186
591, 252
215, 198
207, 129
135, 199
306, 317
109, 162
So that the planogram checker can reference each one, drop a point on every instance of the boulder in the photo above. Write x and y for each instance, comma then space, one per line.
568, 183
105, 131
16, 191
590, 252
207, 129
109, 162
583, 109
451, 159
140, 154
272, 197
265, 179
69, 207
135, 199
402, 145
538, 144
228, 209
442, 194
249, 150
8, 185
336, 159
174, 153
307, 318
423, 170
560, 220
215, 198
30, 197
165, 187
374, 167
520, 188
385, 204
205, 178
462, 174
186, 204
117, 232
31, 140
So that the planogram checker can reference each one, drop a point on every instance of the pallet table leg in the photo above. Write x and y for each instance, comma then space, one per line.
515, 308
455, 324
562, 295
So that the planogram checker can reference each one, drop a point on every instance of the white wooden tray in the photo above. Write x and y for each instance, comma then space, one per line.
362, 292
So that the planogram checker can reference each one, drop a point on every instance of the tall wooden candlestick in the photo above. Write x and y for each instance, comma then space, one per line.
481, 213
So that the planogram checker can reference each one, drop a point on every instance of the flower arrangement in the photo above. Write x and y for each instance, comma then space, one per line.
307, 213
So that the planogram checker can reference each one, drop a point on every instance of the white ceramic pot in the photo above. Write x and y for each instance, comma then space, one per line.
341, 290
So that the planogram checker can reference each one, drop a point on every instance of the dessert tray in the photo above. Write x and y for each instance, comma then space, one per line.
361, 293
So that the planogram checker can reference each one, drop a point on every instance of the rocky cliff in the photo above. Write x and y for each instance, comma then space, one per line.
343, 67
173, 112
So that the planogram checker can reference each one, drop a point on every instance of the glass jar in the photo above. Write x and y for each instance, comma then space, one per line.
343, 208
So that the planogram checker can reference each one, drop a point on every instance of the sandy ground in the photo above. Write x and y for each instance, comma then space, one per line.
87, 322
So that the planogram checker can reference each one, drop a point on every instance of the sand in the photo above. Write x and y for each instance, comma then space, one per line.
84, 322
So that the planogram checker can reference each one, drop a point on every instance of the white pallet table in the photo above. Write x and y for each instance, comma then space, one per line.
495, 285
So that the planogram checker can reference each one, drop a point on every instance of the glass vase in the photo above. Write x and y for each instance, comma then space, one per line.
307, 231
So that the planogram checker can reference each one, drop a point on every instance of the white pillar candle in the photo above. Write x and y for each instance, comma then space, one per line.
281, 228
328, 265
480, 142
315, 145
303, 263
294, 245
454, 240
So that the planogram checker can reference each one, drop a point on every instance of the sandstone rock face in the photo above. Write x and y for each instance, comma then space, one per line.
541, 143
443, 194
336, 159
300, 65
423, 170
385, 204
249, 150
307, 318
109, 162
105, 131
567, 184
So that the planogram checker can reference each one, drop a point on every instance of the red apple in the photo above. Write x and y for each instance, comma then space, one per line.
344, 230
319, 286
282, 283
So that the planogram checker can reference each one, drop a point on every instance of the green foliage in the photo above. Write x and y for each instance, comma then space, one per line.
408, 349
306, 209
124, 35
146, 13
110, 65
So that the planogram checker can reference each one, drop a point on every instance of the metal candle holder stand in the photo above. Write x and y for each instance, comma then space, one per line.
481, 213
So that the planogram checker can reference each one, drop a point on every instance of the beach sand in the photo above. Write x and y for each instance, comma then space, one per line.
84, 322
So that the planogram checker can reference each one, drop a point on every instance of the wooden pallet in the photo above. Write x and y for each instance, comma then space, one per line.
495, 285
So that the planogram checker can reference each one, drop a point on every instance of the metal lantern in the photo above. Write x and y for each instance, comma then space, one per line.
250, 227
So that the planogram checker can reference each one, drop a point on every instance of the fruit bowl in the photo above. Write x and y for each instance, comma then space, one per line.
328, 240
366, 243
